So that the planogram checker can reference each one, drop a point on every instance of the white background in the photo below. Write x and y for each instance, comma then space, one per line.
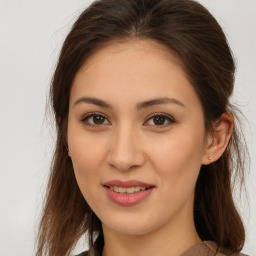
31, 34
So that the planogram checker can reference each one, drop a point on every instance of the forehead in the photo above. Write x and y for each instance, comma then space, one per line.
131, 72
139, 61
137, 46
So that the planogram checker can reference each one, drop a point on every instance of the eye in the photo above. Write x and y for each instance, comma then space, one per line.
94, 119
160, 120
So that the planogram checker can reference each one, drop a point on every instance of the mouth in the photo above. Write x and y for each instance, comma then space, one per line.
128, 193
127, 187
129, 190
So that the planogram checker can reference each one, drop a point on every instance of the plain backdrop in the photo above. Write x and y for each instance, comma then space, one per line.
31, 34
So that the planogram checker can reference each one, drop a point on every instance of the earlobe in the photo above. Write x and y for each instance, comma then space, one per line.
219, 138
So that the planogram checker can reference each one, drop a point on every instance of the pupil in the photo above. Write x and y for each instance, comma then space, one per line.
98, 119
159, 120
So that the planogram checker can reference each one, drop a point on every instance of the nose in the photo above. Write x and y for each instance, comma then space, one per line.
125, 150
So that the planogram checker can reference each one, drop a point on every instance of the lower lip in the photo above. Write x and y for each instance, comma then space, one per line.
128, 199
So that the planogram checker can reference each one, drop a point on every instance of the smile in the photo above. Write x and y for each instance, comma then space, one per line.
128, 193
130, 190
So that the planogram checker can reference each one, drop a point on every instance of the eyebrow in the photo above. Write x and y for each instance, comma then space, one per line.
139, 106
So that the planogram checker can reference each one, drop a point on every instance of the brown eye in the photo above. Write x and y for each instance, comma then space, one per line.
98, 119
160, 121
95, 120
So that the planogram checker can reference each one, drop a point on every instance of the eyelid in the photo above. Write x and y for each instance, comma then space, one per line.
169, 118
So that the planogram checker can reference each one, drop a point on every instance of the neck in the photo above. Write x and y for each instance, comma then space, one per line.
172, 239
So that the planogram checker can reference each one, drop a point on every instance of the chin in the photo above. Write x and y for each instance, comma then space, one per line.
130, 226
132, 231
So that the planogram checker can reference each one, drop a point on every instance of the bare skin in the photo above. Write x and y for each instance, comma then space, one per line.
124, 141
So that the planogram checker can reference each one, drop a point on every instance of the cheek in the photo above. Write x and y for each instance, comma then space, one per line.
87, 153
86, 150
177, 158
86, 158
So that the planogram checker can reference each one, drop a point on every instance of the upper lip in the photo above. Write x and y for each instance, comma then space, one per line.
127, 184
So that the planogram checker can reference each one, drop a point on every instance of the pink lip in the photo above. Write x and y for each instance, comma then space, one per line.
127, 199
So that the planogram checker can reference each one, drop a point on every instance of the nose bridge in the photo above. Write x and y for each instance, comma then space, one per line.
125, 150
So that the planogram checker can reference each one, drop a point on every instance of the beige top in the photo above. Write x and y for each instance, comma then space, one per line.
206, 248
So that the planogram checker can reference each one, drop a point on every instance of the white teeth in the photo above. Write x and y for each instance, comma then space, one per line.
130, 190
137, 189
121, 190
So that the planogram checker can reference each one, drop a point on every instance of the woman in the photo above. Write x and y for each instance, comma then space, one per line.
147, 142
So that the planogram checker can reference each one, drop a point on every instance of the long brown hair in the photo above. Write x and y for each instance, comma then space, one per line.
196, 38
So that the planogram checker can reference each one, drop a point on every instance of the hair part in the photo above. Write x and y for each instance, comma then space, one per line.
190, 32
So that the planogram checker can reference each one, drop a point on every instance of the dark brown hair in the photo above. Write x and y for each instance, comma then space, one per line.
197, 40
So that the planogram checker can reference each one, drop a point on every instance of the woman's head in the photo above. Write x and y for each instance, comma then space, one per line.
128, 51
133, 115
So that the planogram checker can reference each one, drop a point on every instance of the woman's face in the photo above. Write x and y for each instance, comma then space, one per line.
135, 122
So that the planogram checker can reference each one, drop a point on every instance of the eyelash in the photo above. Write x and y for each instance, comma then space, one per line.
95, 114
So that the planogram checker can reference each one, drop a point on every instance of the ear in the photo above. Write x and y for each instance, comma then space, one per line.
217, 141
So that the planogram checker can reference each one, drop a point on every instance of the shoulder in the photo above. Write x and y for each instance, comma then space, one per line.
205, 248
223, 252
209, 248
